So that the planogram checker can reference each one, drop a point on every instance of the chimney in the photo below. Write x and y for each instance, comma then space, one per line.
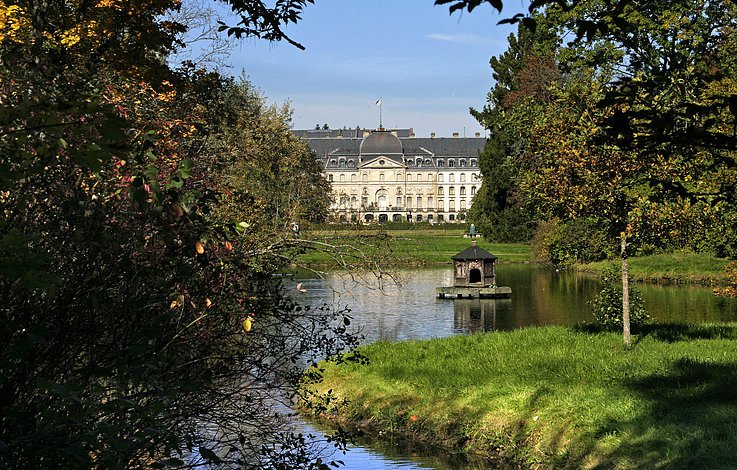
432, 135
411, 134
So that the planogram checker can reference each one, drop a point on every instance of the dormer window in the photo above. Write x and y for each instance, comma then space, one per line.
462, 162
451, 163
441, 163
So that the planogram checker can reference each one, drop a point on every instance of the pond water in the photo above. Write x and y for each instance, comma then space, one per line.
539, 297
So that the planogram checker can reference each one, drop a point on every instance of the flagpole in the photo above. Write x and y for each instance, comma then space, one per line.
379, 103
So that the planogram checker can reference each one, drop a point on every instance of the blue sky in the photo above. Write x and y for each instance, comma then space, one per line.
428, 67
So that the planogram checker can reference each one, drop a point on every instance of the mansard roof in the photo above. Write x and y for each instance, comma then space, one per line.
382, 142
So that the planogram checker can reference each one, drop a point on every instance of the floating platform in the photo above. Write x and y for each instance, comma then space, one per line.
458, 292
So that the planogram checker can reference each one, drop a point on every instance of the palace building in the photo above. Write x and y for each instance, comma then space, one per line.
391, 175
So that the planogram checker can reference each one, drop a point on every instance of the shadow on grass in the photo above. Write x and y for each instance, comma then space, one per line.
670, 332
690, 420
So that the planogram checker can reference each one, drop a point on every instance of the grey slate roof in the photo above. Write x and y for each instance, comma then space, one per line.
473, 252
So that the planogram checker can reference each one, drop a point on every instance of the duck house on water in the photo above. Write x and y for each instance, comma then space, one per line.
474, 274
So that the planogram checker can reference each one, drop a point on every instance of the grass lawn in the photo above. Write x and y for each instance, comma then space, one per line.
414, 247
671, 268
555, 397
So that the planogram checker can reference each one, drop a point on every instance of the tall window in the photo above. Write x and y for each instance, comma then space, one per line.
441, 191
463, 177
462, 162
409, 202
381, 176
452, 191
342, 178
430, 177
463, 190
452, 178
429, 202
399, 201
441, 163
451, 163
330, 177
473, 190
364, 177
353, 178
419, 202
463, 204
441, 178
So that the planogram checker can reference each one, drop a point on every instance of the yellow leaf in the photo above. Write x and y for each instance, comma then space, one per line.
247, 323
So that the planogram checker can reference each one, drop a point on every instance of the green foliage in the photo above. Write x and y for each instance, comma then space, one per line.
607, 308
573, 242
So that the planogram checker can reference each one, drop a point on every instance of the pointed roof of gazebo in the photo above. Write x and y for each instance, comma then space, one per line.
473, 252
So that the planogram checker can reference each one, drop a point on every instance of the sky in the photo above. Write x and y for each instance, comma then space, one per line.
426, 66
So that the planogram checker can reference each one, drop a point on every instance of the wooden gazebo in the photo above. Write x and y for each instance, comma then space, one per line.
474, 276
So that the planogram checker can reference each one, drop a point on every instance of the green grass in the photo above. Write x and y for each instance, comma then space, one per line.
413, 247
555, 397
672, 268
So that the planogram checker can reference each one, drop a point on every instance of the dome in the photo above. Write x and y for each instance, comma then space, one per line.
381, 143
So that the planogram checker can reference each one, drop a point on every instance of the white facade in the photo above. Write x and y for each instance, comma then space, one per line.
380, 177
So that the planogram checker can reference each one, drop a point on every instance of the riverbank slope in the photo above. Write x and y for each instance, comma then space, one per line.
553, 397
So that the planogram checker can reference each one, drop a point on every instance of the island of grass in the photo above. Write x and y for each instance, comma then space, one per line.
553, 397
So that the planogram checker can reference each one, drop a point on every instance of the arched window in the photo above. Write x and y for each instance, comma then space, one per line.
452, 191
462, 162
463, 177
429, 202
430, 177
451, 163
409, 176
353, 178
342, 178
381, 176
474, 177
441, 191
428, 162
333, 163
364, 177
330, 178
473, 190
351, 163
463, 190
441, 178
410, 163
451, 178
474, 162
441, 163
341, 163
418, 162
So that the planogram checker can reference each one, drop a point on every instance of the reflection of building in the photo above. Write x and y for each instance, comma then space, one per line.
477, 315
392, 175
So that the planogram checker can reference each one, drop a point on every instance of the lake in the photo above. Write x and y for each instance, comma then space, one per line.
539, 297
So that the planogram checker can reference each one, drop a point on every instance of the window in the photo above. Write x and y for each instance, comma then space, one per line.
429, 217
381, 162
452, 205
441, 204
463, 177
441, 217
452, 191
463, 204
462, 162
419, 202
353, 202
409, 177
441, 163
364, 177
418, 162
441, 178
430, 177
429, 202
463, 190
409, 202
353, 178
452, 217
341, 163
451, 163
428, 162
399, 201
333, 163
441, 191
330, 178
410, 163
473, 190
474, 177
342, 178
364, 201
451, 178
474, 162
419, 217
351, 163
381, 176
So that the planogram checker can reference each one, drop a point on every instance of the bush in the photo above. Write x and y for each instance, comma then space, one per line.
575, 241
607, 308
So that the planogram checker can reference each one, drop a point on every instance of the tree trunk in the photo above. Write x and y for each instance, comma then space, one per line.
625, 294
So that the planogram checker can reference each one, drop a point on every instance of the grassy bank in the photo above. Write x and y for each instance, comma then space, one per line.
414, 247
671, 268
555, 397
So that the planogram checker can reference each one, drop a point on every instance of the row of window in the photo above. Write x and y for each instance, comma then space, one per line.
383, 218
418, 162
410, 177
406, 203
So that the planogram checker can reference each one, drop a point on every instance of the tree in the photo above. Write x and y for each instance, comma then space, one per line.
140, 326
